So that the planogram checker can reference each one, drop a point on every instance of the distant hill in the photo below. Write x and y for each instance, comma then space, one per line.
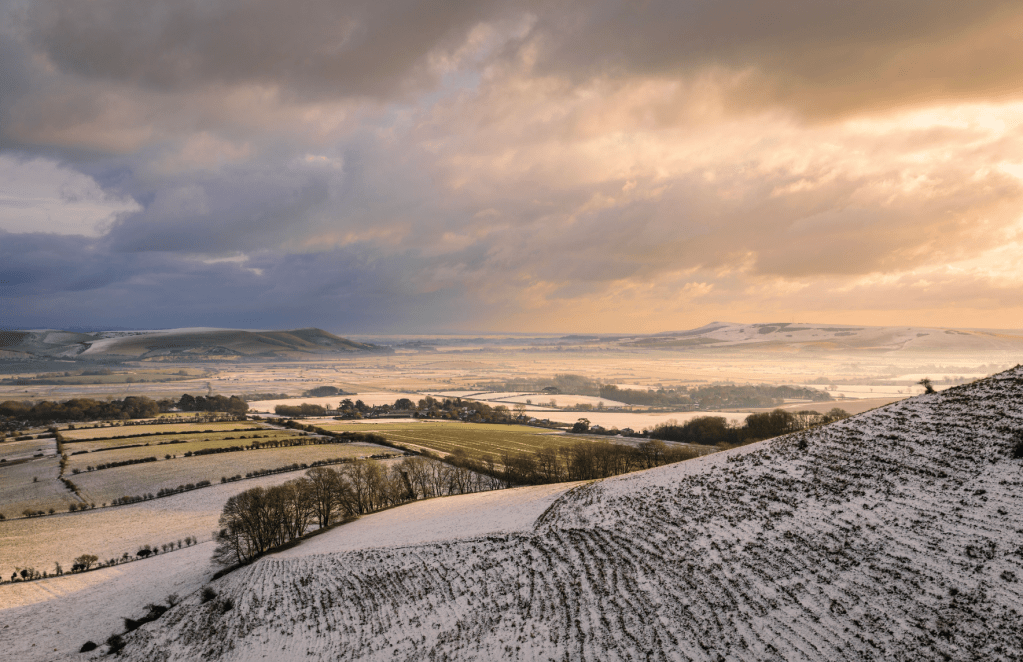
177, 343
893, 535
787, 337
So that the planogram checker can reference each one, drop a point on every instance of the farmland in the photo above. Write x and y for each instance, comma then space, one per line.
104, 486
112, 431
109, 532
20, 450
33, 485
890, 535
476, 439
111, 449
67, 611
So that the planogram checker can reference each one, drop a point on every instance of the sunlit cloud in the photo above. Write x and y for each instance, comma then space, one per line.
561, 166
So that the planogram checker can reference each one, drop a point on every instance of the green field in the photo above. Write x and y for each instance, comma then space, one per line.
108, 484
476, 439
159, 442
160, 450
137, 430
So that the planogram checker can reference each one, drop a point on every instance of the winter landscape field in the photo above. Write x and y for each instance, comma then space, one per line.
892, 535
884, 535
660, 331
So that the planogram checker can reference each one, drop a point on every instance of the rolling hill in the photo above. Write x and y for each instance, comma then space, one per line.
896, 534
787, 337
178, 343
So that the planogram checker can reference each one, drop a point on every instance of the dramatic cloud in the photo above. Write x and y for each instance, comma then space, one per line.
408, 166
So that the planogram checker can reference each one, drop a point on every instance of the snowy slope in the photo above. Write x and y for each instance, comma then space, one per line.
897, 534
432, 520
54, 617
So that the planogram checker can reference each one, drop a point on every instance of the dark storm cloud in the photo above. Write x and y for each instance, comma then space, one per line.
819, 57
320, 47
50, 280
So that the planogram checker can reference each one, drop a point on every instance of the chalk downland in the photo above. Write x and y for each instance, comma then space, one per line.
895, 534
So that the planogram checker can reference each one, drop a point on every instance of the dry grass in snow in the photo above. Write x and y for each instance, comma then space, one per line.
892, 535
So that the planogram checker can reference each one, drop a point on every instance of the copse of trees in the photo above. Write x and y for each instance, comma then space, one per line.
304, 409
715, 430
580, 460
86, 409
260, 519
232, 405
323, 391
714, 396
81, 409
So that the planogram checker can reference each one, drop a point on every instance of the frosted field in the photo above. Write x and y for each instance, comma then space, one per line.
151, 429
108, 484
892, 535
563, 400
452, 394
109, 532
372, 399
90, 606
67, 611
18, 491
18, 450
443, 518
635, 420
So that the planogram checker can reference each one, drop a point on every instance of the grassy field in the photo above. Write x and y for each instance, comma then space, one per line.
19, 491
159, 443
104, 486
476, 439
135, 430
198, 442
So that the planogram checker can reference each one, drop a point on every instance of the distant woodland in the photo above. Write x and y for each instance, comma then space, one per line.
714, 396
85, 409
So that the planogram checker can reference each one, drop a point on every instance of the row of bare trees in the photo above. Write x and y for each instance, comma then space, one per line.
261, 519
580, 460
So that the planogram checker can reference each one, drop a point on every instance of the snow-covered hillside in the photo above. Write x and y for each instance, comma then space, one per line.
897, 534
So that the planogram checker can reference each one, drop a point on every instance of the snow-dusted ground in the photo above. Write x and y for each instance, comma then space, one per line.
892, 535
39, 542
50, 619
562, 400
21, 450
636, 420
432, 520
372, 399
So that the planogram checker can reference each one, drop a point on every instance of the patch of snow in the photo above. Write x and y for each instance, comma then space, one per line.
890, 535
442, 518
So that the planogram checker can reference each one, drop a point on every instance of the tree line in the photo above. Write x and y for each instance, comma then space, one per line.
714, 396
260, 519
87, 409
582, 459
715, 430
80, 409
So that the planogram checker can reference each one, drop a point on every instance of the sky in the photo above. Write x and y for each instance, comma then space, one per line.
402, 166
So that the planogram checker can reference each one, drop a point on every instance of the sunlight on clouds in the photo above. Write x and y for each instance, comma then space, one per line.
39, 195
